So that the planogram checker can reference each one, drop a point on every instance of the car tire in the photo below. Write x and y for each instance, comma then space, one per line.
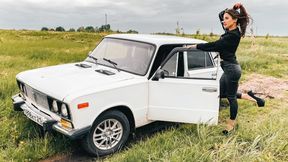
108, 134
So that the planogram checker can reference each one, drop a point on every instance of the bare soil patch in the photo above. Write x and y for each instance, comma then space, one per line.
265, 86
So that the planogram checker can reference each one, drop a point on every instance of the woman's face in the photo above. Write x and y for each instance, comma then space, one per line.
229, 22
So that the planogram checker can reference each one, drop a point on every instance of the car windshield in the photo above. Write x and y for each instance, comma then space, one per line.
129, 56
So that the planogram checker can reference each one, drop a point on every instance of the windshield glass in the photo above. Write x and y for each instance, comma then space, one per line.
130, 56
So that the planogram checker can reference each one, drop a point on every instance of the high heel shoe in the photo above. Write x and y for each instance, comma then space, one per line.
230, 127
260, 101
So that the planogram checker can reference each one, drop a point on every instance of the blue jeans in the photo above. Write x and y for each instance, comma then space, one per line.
229, 83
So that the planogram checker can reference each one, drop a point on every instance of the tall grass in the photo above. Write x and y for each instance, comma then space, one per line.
21, 139
261, 136
265, 56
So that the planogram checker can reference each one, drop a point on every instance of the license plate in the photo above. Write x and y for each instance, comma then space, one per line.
33, 116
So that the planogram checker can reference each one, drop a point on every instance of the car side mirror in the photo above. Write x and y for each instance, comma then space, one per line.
160, 74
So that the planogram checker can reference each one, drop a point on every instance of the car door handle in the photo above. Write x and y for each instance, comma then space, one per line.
209, 89
214, 74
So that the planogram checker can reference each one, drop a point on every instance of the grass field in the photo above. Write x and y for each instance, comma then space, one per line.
262, 135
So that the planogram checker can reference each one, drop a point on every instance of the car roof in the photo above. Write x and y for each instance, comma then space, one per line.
156, 39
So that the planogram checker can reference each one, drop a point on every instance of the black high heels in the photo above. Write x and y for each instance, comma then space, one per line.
260, 101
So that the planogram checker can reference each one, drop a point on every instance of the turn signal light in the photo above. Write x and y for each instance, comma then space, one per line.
66, 124
83, 105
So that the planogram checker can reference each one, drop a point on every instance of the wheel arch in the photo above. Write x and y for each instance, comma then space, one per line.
126, 111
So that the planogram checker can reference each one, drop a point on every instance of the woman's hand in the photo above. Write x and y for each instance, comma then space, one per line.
191, 46
237, 6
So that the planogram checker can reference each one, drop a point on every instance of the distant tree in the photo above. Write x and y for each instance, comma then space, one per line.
211, 34
132, 31
90, 29
163, 33
81, 29
118, 31
198, 32
51, 29
100, 29
108, 27
267, 36
104, 28
44, 29
71, 30
60, 29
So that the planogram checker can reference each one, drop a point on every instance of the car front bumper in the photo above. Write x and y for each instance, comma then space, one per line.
44, 120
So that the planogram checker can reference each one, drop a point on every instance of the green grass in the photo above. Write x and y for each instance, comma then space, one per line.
21, 139
261, 136
265, 56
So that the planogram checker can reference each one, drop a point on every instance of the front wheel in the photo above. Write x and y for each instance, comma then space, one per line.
108, 134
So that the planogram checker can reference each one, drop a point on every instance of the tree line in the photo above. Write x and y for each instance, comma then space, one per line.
90, 29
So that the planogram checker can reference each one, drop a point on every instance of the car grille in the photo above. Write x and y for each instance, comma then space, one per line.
36, 96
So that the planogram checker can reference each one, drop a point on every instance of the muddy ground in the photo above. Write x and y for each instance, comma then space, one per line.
265, 86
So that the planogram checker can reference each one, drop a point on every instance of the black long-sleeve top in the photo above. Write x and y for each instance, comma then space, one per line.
226, 45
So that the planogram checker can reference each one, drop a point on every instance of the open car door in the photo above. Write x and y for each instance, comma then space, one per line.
176, 96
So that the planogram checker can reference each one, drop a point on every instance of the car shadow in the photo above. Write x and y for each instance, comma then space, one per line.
142, 133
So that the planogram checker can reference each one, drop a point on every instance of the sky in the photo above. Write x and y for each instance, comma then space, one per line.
146, 16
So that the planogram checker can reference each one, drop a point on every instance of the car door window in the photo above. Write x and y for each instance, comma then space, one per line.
194, 64
199, 60
200, 65
170, 67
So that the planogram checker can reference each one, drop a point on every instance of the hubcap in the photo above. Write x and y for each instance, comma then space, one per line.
107, 134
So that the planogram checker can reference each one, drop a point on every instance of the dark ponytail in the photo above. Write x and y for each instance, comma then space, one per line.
242, 18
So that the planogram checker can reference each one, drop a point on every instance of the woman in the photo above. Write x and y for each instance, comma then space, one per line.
234, 23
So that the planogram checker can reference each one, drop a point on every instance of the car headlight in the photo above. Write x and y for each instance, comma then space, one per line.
21, 87
64, 110
24, 89
55, 106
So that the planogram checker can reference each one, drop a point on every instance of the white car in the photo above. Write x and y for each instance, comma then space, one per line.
127, 81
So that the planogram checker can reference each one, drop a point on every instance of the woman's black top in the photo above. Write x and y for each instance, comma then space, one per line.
226, 45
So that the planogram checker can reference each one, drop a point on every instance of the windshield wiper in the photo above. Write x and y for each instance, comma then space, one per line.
94, 58
112, 62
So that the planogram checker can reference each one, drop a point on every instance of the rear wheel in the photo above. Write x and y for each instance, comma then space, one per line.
108, 134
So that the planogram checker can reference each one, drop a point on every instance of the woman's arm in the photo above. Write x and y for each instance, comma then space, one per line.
211, 46
221, 15
218, 45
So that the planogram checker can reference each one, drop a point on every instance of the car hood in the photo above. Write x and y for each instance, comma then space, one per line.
62, 80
